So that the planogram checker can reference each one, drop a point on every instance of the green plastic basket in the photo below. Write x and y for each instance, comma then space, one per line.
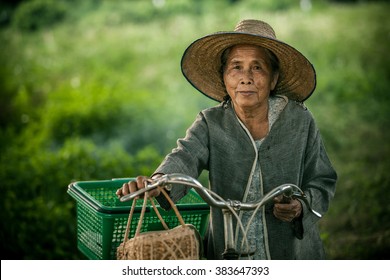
102, 218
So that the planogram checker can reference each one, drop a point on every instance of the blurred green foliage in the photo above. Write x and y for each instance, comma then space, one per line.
100, 95
37, 14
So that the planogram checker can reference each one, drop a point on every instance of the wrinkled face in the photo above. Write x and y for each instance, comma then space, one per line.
248, 76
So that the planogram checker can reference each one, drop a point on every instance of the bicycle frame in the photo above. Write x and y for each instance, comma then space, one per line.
229, 207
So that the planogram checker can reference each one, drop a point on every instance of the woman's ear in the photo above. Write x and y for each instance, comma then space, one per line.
274, 80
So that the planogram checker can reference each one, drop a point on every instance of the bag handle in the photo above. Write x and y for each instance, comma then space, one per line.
142, 214
173, 205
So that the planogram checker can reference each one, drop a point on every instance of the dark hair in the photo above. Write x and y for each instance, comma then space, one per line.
224, 57
272, 57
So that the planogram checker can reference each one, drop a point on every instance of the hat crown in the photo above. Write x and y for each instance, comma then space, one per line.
255, 27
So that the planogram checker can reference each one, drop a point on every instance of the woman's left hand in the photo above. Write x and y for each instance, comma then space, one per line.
287, 209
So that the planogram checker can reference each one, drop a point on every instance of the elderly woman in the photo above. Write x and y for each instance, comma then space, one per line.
260, 136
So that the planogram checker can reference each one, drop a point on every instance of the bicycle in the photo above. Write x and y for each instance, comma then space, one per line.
229, 207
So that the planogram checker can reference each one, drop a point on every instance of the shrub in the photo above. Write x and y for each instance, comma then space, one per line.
37, 14
40, 217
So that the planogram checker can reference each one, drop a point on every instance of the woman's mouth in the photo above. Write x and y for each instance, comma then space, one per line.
246, 93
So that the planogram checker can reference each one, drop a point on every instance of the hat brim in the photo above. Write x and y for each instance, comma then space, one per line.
201, 65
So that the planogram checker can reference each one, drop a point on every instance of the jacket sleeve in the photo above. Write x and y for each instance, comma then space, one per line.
190, 157
319, 179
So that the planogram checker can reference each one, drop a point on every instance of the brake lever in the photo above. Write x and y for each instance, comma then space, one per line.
303, 197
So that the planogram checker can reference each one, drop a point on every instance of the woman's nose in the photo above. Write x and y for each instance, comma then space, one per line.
247, 77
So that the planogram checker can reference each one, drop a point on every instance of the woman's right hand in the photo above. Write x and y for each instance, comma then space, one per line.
133, 186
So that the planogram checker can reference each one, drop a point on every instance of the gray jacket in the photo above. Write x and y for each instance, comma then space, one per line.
292, 152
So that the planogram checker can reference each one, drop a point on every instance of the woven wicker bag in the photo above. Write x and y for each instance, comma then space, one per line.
180, 243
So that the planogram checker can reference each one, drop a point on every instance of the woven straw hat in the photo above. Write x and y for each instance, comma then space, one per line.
201, 62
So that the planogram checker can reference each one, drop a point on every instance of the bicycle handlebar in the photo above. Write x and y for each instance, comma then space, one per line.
289, 190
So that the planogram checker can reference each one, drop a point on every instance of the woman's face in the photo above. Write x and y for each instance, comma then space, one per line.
248, 76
